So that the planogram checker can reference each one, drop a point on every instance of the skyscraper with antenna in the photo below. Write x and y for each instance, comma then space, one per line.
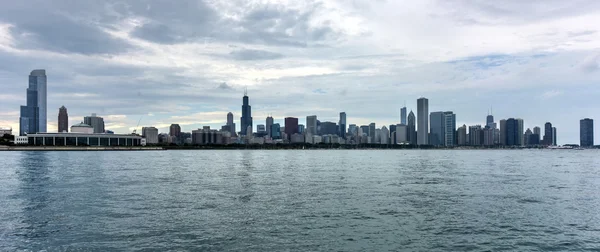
403, 114
246, 119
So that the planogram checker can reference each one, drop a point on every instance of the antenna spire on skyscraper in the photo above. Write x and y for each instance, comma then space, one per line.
245, 91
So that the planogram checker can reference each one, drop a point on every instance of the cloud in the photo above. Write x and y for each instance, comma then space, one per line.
248, 54
591, 63
224, 86
551, 94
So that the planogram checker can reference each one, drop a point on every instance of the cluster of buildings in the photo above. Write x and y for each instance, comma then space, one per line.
437, 128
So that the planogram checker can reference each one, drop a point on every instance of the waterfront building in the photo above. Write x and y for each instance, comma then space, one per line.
586, 132
534, 140
301, 128
82, 139
462, 135
63, 120
384, 136
449, 129
33, 115
537, 131
476, 135
548, 134
246, 119
527, 137
96, 122
488, 136
503, 132
403, 115
275, 131
329, 128
423, 121
520, 129
175, 129
207, 136
352, 129
554, 140
151, 135
342, 125
231, 123
82, 128
269, 122
402, 134
291, 126
412, 130
392, 133
372, 132
311, 125
436, 128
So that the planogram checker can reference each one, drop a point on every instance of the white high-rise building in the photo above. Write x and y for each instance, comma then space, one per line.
311, 125
422, 121
151, 134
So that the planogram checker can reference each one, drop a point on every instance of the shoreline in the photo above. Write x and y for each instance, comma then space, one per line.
76, 148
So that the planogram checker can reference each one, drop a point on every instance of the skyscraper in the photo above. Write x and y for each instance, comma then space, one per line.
511, 132
537, 131
476, 135
311, 125
554, 140
503, 132
586, 132
269, 124
175, 130
372, 132
547, 134
246, 119
33, 116
489, 121
342, 125
437, 128
96, 122
301, 128
449, 129
412, 132
392, 133
462, 135
291, 126
423, 121
150, 133
328, 128
63, 120
230, 123
520, 129
403, 115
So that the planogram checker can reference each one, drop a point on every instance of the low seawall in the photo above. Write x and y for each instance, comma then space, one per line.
76, 148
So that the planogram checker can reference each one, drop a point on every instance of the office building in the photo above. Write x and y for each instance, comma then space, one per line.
342, 125
402, 134
537, 131
392, 133
275, 131
365, 130
175, 130
63, 120
437, 128
96, 122
586, 132
384, 135
412, 130
291, 126
554, 140
230, 123
301, 128
527, 137
82, 128
503, 132
450, 129
269, 124
372, 132
520, 129
476, 135
462, 135
403, 115
352, 129
151, 135
488, 136
311, 125
328, 128
33, 115
206, 136
82, 139
423, 121
511, 134
547, 134
246, 119
261, 129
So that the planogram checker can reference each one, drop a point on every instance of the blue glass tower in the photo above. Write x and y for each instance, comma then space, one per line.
33, 116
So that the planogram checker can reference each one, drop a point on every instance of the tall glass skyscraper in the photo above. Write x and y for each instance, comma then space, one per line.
586, 132
403, 115
246, 120
33, 116
422, 121
342, 124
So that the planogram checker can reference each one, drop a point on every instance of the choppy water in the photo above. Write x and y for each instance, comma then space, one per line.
346, 200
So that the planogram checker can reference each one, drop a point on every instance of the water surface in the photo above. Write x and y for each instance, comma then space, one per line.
294, 200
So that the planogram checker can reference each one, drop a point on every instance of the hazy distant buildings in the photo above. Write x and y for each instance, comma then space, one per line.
246, 119
372, 132
275, 131
384, 136
175, 130
96, 122
291, 126
586, 132
63, 120
230, 123
311, 125
329, 128
423, 121
151, 135
342, 125
33, 115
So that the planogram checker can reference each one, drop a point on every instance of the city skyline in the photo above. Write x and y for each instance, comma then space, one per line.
341, 57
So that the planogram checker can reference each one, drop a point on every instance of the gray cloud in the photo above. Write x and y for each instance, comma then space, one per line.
248, 54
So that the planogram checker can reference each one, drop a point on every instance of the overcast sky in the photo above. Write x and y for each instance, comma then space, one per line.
188, 61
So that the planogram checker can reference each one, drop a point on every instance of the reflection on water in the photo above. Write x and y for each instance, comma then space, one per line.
348, 200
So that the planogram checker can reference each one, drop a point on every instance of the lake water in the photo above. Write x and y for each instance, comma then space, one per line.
295, 200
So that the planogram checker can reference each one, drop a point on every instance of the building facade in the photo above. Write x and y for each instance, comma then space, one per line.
423, 121
96, 122
246, 119
586, 132
403, 115
461, 133
82, 139
151, 135
436, 128
291, 126
547, 134
449, 128
412, 129
342, 125
63, 120
33, 115
269, 123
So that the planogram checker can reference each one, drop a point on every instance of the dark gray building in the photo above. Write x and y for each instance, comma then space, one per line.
436, 128
63, 120
509, 132
329, 128
548, 134
246, 119
412, 129
33, 115
96, 122
586, 132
